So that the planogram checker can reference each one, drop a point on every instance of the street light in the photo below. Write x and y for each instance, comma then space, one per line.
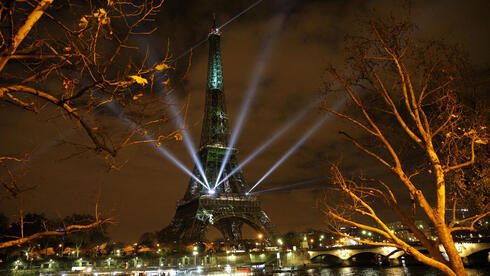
228, 268
260, 236
194, 252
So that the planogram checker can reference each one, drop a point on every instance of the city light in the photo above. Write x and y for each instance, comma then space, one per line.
228, 268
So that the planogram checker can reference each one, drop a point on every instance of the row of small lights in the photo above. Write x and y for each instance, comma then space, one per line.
259, 236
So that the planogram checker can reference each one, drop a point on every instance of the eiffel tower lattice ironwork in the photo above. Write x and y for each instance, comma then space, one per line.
230, 206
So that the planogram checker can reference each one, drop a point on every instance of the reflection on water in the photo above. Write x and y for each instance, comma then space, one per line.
379, 271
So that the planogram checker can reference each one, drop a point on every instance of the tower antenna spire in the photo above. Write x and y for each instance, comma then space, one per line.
214, 20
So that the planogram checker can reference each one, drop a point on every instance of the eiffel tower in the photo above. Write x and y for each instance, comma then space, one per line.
229, 206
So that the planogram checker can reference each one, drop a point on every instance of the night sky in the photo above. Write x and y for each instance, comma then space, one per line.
304, 36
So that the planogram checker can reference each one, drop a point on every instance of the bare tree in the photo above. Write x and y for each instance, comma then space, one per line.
405, 101
82, 62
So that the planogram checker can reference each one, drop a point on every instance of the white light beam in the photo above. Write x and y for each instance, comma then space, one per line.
272, 139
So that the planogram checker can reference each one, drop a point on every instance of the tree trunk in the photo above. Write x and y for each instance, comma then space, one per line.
447, 241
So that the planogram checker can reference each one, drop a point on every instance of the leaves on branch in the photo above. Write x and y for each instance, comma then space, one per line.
139, 80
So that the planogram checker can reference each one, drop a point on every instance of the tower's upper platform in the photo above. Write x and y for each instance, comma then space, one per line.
214, 144
214, 31
215, 131
215, 68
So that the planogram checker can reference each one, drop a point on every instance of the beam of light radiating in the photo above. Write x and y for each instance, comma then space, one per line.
290, 187
310, 184
257, 74
288, 153
312, 130
188, 142
272, 139
45, 148
179, 120
240, 14
188, 51
113, 108
220, 27
176, 162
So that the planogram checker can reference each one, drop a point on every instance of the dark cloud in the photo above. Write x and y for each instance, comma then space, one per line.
143, 193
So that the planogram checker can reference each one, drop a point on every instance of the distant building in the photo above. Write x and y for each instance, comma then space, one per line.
309, 239
460, 213
402, 231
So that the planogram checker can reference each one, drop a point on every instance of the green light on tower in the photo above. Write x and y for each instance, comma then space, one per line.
215, 68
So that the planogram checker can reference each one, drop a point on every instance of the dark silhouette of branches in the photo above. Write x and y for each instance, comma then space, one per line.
406, 100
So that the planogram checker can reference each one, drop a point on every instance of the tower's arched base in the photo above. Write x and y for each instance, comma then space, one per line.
227, 212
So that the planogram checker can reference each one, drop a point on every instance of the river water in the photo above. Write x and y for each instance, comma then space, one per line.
380, 271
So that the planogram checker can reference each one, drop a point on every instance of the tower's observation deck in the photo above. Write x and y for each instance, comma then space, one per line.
223, 199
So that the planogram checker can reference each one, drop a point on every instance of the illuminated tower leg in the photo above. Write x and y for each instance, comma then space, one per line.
231, 229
